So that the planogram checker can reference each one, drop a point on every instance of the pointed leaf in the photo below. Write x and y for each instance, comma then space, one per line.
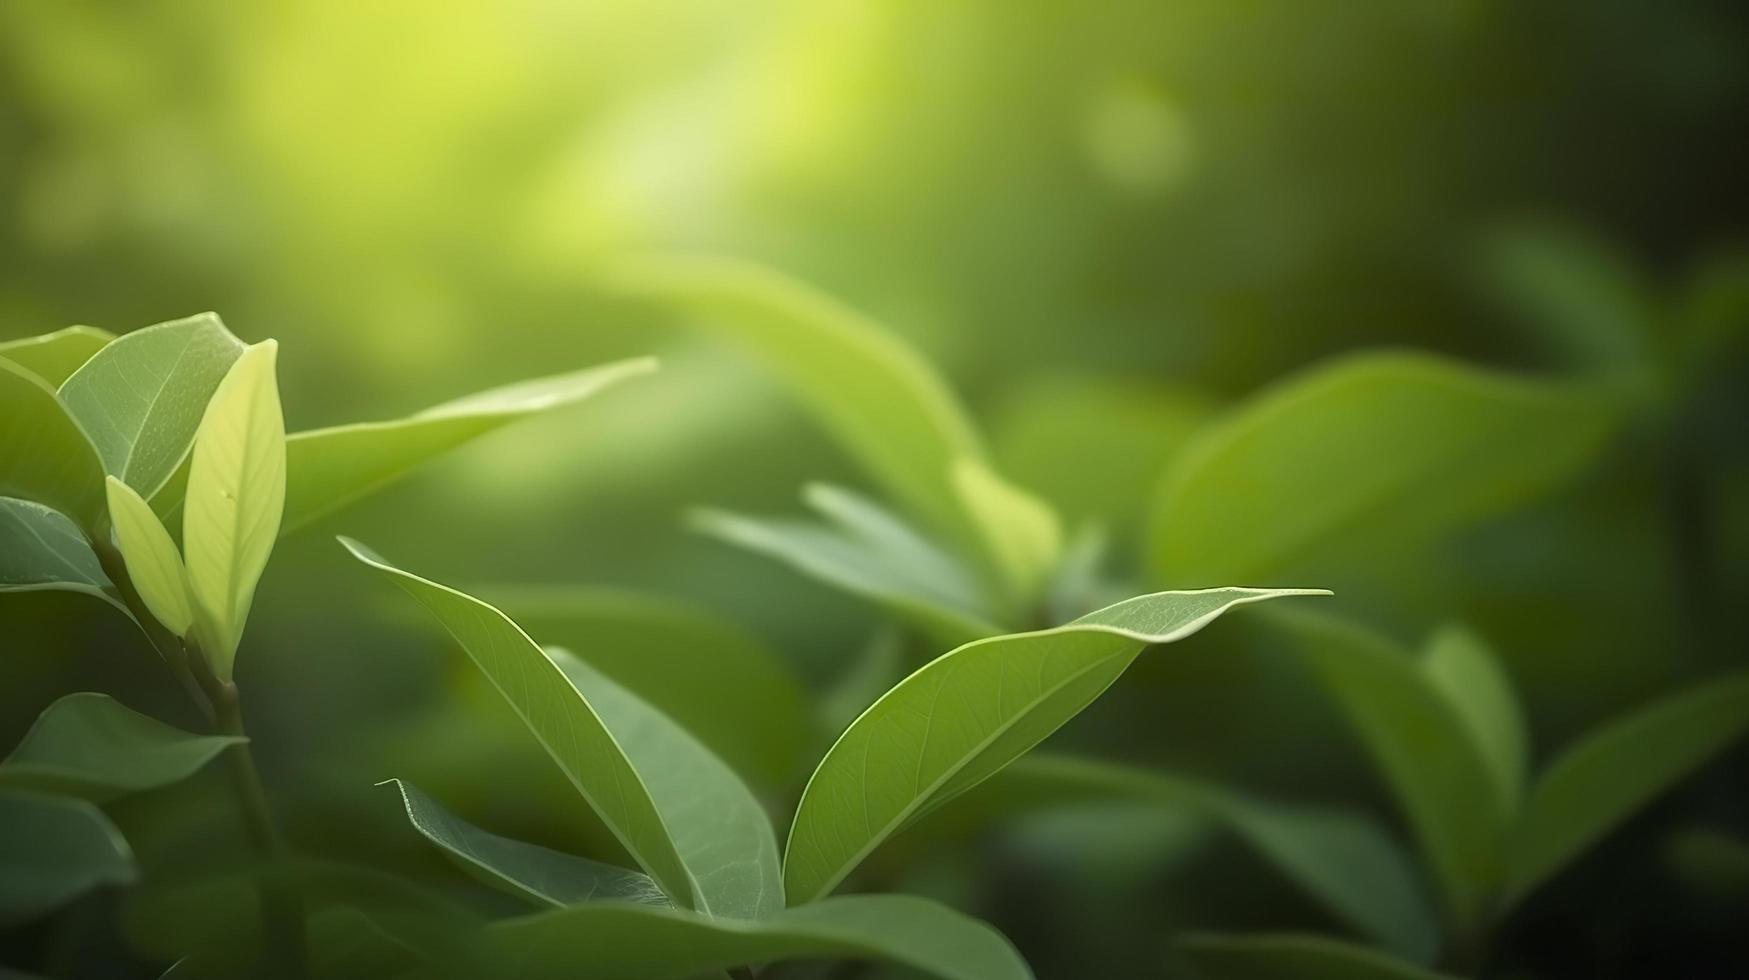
236, 493
538, 874
1386, 445
141, 398
44, 456
1466, 672
330, 468
153, 563
561, 719
1290, 956
720, 831
91, 746
1596, 784
54, 356
1585, 299
54, 849
1023, 533
40, 548
962, 717
629, 942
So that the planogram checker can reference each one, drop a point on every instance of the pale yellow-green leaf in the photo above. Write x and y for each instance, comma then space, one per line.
151, 557
1021, 531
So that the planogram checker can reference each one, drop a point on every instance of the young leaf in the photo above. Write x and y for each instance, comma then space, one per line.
91, 746
720, 831
330, 468
1423, 748
528, 871
141, 398
877, 396
630, 942
1021, 531
1599, 782
236, 493
40, 548
54, 849
1463, 669
1385, 445
153, 563
560, 718
686, 662
1290, 956
54, 356
962, 717
44, 456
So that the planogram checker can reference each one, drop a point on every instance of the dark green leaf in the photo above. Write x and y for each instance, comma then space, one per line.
40, 548
1294, 957
54, 849
1463, 669
91, 746
44, 456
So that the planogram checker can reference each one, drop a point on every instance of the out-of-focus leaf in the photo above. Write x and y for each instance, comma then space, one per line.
41, 548
528, 871
1712, 315
630, 942
54, 849
1291, 956
722, 834
326, 469
683, 660
1338, 857
1586, 300
1423, 748
1389, 446
141, 398
877, 396
347, 943
236, 494
1711, 861
91, 746
962, 717
153, 563
54, 356
1597, 783
44, 456
1021, 531
560, 718
1463, 669
879, 665
868, 552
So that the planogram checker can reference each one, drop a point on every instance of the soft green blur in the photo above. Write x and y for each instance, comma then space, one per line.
1105, 222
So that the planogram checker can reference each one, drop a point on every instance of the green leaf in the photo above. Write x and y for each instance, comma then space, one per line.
629, 942
1586, 299
1422, 747
141, 398
886, 404
44, 456
54, 356
1463, 669
962, 717
1596, 784
722, 834
153, 563
528, 871
91, 746
330, 468
40, 548
1290, 956
54, 849
1023, 533
686, 662
868, 552
236, 493
561, 719
1389, 446
1338, 857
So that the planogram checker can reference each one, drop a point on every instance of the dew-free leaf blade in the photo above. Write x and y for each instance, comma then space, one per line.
1022, 532
630, 942
54, 849
41, 548
153, 563
1463, 669
1597, 783
560, 718
236, 494
54, 356
93, 747
44, 455
1293, 956
1389, 446
536, 874
142, 397
962, 717
326, 469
